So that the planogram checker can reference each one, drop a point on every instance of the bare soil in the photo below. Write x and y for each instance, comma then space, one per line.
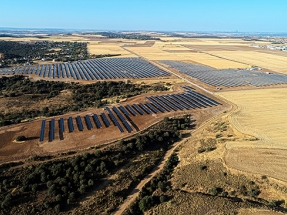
11, 151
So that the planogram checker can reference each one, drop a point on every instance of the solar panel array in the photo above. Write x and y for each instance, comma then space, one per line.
80, 123
114, 119
88, 122
97, 121
181, 101
61, 122
71, 125
42, 133
170, 102
94, 69
128, 127
52, 130
227, 77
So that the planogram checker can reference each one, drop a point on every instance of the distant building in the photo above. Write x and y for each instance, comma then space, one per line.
1, 55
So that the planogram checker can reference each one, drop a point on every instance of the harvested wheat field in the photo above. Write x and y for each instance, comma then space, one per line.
94, 47
166, 51
262, 114
269, 61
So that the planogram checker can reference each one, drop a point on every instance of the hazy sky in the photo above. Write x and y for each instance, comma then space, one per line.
165, 15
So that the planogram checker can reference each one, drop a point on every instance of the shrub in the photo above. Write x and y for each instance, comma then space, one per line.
20, 138
213, 191
201, 150
272, 204
145, 203
202, 167
218, 135
224, 194
162, 199
57, 208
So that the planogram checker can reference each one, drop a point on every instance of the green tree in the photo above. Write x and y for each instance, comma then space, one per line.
90, 182
57, 208
145, 203
59, 198
162, 199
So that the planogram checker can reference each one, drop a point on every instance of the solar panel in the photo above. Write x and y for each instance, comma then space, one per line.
178, 102
99, 69
156, 105
163, 105
80, 123
193, 100
97, 121
105, 119
138, 109
128, 127
62, 128
71, 125
152, 108
206, 98
183, 98
201, 100
131, 110
173, 102
114, 119
142, 106
52, 130
88, 122
124, 111
166, 102
42, 133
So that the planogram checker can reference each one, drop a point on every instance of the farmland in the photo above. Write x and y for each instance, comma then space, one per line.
262, 114
230, 155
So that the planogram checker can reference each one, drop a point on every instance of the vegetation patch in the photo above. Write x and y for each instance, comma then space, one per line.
83, 96
107, 175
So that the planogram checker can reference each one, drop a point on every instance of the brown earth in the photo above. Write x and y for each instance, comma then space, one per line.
77, 140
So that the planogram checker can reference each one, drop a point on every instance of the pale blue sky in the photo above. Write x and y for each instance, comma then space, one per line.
161, 15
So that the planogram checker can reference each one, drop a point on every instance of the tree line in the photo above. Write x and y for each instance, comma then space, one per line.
83, 96
60, 182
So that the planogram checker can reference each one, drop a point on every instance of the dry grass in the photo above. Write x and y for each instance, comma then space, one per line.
191, 185
260, 113
172, 48
97, 48
270, 61
166, 51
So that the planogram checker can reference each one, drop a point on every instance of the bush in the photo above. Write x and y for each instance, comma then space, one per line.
202, 167
145, 203
57, 208
20, 138
225, 194
162, 199
218, 135
58, 198
272, 204
201, 150
213, 191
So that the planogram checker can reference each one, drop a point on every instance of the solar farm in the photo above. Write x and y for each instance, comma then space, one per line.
94, 69
121, 116
227, 77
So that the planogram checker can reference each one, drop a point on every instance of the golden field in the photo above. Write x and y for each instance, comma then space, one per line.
167, 51
262, 114
218, 53
273, 62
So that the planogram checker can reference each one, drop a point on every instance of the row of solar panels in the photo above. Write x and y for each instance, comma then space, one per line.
227, 77
96, 69
188, 100
170, 102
